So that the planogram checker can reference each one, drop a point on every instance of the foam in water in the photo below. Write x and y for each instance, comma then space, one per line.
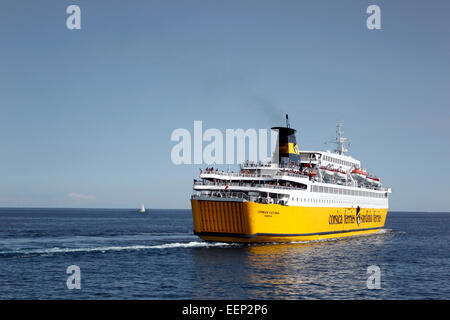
192, 244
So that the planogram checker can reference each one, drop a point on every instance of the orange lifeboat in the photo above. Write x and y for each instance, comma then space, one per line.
312, 173
359, 174
327, 171
340, 174
374, 180
359, 171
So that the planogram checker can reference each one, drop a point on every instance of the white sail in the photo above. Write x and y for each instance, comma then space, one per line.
142, 209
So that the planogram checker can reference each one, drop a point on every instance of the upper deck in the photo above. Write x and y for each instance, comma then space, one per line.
326, 175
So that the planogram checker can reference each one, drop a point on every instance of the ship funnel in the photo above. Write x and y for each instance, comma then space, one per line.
287, 148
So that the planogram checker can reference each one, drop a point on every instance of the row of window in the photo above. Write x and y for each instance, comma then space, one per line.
339, 161
348, 192
318, 200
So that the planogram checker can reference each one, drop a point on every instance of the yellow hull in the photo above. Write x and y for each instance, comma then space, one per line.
229, 221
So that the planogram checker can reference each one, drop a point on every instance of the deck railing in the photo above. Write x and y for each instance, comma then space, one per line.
252, 185
223, 194
236, 174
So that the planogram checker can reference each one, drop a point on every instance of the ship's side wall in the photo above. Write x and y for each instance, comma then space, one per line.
257, 222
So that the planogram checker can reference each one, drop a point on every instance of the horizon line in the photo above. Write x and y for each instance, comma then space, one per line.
137, 208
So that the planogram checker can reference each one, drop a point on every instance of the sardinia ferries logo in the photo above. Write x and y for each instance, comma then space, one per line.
358, 216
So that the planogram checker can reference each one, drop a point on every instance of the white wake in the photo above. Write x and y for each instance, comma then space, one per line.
192, 244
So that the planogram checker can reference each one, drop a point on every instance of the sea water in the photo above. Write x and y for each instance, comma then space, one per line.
123, 254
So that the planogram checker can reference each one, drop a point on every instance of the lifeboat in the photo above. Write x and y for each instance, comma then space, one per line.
307, 165
359, 174
327, 172
312, 173
340, 174
374, 180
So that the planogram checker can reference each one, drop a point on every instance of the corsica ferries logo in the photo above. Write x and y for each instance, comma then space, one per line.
349, 218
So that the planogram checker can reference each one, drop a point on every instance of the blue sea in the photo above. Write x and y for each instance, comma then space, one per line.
122, 254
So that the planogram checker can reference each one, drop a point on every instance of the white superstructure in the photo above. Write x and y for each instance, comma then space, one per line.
316, 179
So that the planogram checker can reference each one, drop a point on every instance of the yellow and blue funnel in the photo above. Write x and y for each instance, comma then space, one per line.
288, 150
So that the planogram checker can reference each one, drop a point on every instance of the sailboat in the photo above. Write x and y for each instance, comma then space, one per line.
142, 209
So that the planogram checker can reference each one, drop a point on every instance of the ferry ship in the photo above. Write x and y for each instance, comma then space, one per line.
302, 196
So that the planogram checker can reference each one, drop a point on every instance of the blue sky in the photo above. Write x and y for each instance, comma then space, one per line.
86, 115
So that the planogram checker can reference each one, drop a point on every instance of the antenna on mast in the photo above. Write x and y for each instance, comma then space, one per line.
287, 121
340, 141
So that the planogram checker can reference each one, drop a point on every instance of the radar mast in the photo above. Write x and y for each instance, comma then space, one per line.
340, 141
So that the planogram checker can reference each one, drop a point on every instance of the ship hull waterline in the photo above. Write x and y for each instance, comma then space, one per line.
249, 222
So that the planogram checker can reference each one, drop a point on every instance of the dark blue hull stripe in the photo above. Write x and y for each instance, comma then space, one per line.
249, 236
